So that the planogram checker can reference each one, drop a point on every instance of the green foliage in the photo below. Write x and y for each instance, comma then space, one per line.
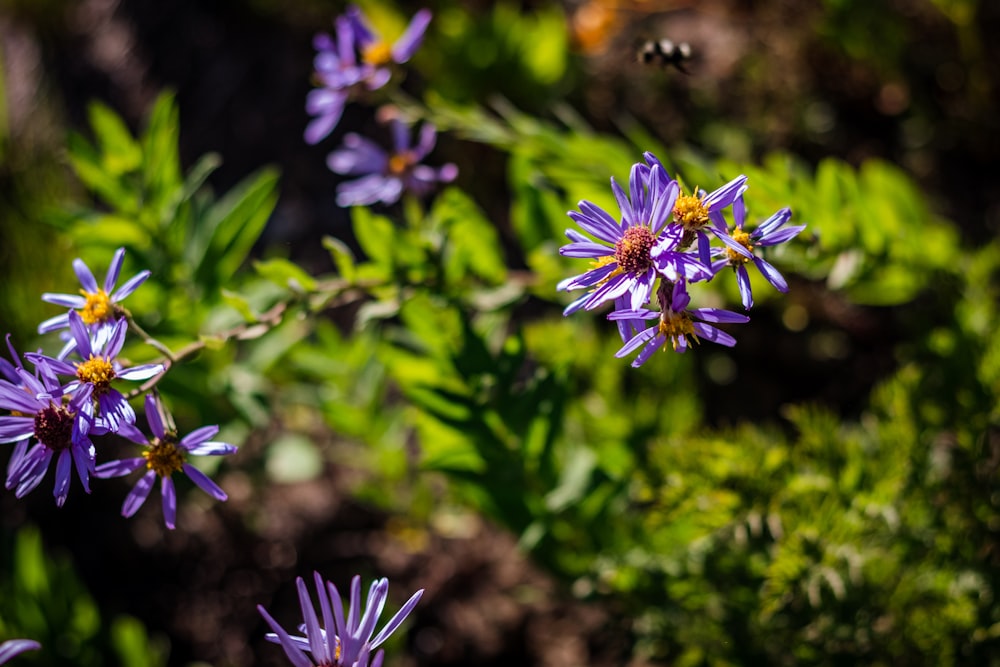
41, 598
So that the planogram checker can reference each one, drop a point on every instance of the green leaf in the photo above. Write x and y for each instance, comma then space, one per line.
286, 274
472, 244
376, 235
121, 153
342, 257
90, 169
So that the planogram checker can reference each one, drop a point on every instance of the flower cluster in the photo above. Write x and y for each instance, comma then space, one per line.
342, 641
67, 401
661, 245
358, 58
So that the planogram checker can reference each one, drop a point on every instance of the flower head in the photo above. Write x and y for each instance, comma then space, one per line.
385, 176
44, 410
742, 245
165, 455
675, 323
98, 367
339, 70
14, 647
97, 305
339, 642
622, 259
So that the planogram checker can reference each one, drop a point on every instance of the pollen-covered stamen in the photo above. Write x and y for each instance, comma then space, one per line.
54, 427
164, 457
98, 371
690, 212
743, 238
378, 54
98, 307
400, 163
675, 326
632, 250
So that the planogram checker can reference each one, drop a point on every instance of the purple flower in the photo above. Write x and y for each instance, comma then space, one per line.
14, 647
378, 52
165, 455
340, 642
99, 366
384, 176
339, 71
623, 262
742, 244
59, 426
676, 324
98, 305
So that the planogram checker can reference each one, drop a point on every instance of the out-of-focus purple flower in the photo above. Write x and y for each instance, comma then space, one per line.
165, 455
741, 247
340, 642
97, 304
15, 647
59, 426
378, 52
99, 366
622, 260
385, 176
338, 69
676, 324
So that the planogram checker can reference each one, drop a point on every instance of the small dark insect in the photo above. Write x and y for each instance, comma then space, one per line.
665, 53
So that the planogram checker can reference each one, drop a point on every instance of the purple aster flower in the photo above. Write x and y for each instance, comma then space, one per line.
60, 428
339, 642
99, 366
98, 305
385, 176
337, 71
623, 262
15, 647
377, 52
700, 211
165, 455
741, 246
676, 324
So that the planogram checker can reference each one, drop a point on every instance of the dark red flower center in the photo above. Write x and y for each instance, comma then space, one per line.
632, 250
54, 427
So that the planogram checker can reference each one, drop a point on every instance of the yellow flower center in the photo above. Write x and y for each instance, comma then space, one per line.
690, 212
164, 457
675, 326
401, 162
379, 53
98, 371
98, 307
632, 250
743, 238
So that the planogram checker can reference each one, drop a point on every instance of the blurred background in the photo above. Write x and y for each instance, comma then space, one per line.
756, 523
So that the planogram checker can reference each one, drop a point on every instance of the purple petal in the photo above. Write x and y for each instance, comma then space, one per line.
293, 652
58, 322
743, 281
130, 286
119, 469
116, 267
142, 372
317, 646
198, 436
714, 335
397, 619
614, 288
169, 498
213, 449
152, 405
65, 300
319, 128
426, 140
586, 249
137, 496
63, 467
86, 278
650, 349
205, 483
603, 226
628, 215
725, 195
781, 235
359, 156
718, 315
14, 647
14, 429
409, 42
772, 274
638, 340
368, 190
81, 335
